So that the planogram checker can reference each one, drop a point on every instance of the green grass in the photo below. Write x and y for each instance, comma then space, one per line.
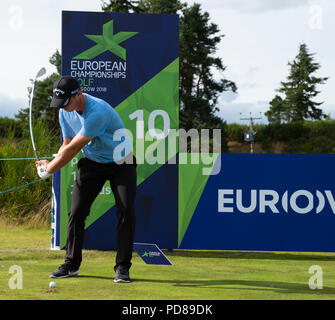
196, 275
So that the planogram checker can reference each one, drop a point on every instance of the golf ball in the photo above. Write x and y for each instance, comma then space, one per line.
52, 284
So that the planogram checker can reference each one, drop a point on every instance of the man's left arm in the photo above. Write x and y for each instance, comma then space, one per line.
68, 153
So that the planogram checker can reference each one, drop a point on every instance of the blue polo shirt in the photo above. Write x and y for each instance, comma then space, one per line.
101, 121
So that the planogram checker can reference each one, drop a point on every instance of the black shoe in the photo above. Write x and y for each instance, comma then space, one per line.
122, 275
64, 271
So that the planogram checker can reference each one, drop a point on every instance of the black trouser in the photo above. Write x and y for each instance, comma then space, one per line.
89, 183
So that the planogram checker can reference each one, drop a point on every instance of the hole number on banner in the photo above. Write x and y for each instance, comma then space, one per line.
138, 114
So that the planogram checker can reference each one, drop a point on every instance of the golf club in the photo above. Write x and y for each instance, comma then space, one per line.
39, 74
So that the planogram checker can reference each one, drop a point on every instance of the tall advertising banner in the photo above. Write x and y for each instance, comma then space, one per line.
130, 61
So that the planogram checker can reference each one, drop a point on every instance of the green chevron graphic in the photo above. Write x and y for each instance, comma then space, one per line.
191, 186
108, 41
160, 92
154, 95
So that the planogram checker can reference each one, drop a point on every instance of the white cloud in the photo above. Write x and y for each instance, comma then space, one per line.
257, 48
261, 37
30, 34
228, 96
10, 106
234, 111
255, 6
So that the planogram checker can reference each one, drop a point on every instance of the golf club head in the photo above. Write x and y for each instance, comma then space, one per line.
41, 72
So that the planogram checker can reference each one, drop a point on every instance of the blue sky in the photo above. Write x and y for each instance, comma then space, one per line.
261, 37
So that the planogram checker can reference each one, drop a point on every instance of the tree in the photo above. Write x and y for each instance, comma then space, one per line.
161, 6
299, 91
199, 91
142, 6
120, 6
277, 113
56, 60
42, 98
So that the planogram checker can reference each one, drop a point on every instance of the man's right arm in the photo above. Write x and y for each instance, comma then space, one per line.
66, 141
68, 153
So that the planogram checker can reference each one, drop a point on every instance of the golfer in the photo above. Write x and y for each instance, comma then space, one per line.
89, 124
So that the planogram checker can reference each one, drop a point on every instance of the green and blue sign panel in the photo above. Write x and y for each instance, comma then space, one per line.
131, 61
260, 202
249, 202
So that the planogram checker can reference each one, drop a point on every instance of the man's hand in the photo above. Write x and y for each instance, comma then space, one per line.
40, 162
42, 169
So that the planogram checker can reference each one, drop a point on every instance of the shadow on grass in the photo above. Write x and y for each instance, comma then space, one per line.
250, 255
94, 277
274, 286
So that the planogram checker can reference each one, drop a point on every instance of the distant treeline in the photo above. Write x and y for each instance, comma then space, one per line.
296, 137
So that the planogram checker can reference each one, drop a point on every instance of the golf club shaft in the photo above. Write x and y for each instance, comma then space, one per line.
30, 122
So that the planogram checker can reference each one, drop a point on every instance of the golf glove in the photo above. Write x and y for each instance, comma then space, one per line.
42, 172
